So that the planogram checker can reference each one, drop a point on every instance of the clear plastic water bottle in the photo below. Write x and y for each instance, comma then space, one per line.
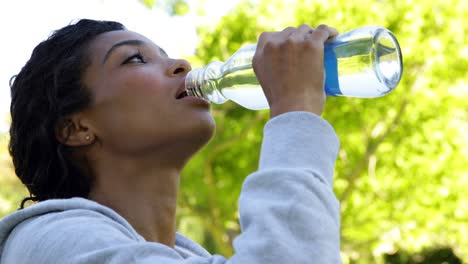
365, 62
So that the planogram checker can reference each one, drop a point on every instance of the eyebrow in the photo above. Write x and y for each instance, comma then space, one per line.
130, 42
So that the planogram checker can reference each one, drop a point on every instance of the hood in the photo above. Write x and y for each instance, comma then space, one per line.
184, 246
11, 221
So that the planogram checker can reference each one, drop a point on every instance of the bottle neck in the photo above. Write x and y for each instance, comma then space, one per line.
202, 82
194, 83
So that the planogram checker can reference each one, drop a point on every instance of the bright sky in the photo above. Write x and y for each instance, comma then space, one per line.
25, 23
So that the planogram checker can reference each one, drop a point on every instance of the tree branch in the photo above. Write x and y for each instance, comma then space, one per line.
212, 222
213, 228
229, 143
372, 146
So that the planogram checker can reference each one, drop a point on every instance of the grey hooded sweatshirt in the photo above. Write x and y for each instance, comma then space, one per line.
288, 213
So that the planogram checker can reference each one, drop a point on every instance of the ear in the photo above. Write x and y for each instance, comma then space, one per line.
74, 131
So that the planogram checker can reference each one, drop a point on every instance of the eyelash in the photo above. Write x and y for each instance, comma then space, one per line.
137, 55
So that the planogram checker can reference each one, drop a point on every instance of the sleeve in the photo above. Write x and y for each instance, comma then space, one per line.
288, 212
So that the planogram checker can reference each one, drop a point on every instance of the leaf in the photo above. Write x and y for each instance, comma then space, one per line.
148, 3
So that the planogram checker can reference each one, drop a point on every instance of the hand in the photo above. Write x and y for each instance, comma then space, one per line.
289, 67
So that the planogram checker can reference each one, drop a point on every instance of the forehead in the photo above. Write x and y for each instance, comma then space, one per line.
103, 42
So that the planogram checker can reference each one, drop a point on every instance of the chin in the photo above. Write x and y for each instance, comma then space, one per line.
193, 134
204, 131
192, 143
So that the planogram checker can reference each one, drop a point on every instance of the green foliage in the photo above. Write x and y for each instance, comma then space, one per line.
172, 7
148, 3
11, 189
402, 170
427, 256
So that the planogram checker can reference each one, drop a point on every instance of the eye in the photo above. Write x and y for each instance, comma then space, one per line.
135, 58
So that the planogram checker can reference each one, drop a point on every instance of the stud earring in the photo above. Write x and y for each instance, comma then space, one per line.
88, 138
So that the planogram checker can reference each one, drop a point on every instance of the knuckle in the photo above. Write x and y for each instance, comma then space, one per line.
322, 27
305, 26
289, 29
263, 35
271, 46
288, 42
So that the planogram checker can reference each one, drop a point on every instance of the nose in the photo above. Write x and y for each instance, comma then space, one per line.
179, 67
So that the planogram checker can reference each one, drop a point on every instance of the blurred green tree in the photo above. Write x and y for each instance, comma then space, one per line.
442, 255
403, 168
11, 189
172, 7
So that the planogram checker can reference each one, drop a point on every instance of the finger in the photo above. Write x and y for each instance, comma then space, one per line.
333, 31
305, 28
285, 33
280, 37
322, 33
301, 32
264, 38
274, 36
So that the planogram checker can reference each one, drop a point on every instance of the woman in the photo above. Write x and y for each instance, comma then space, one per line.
102, 128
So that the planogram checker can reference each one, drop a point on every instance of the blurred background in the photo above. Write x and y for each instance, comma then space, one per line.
402, 172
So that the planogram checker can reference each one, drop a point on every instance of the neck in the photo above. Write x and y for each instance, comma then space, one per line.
142, 190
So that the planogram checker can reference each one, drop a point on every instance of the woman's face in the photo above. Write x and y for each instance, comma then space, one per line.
135, 105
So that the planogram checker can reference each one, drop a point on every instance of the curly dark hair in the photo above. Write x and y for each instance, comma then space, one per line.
47, 90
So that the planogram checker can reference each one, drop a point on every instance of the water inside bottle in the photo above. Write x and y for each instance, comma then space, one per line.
241, 86
368, 67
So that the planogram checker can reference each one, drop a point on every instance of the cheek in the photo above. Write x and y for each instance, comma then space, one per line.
135, 95
141, 85
129, 82
123, 127
131, 103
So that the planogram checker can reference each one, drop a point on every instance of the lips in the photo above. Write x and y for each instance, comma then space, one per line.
181, 91
182, 94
